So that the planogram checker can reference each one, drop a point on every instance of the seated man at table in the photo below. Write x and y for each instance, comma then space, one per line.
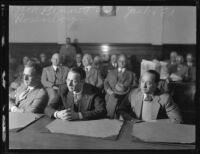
147, 103
77, 100
30, 96
53, 76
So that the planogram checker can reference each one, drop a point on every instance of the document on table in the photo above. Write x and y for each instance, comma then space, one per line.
164, 132
93, 128
20, 120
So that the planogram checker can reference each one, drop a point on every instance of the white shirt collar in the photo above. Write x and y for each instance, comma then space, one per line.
88, 68
55, 67
121, 70
30, 87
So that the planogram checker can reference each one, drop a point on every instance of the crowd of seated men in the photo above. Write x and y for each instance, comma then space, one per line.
86, 88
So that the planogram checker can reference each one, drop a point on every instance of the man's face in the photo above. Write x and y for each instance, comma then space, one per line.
78, 58
173, 56
189, 58
25, 60
68, 41
29, 76
55, 60
113, 58
73, 81
122, 62
179, 59
43, 57
147, 83
86, 61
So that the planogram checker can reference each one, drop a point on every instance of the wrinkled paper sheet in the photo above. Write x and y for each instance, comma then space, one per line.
164, 132
93, 128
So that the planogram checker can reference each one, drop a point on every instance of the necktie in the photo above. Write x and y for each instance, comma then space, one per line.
24, 94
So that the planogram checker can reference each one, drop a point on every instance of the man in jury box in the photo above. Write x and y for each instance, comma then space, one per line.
53, 76
77, 100
147, 103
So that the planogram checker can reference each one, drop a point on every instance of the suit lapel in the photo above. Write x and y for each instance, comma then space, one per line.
69, 103
138, 104
155, 106
52, 72
83, 104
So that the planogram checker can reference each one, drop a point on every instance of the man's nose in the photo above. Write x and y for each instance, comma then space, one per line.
25, 77
70, 83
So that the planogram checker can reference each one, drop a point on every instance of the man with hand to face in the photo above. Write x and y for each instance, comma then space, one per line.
147, 103
77, 100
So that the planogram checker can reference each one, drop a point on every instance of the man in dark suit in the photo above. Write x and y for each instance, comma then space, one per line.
120, 77
30, 96
53, 76
147, 103
77, 100
67, 53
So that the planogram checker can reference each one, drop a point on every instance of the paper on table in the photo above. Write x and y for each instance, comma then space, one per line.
94, 128
164, 132
20, 120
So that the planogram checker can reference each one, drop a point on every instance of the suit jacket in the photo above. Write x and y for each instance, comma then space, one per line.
92, 106
128, 79
35, 101
48, 76
162, 106
67, 55
94, 78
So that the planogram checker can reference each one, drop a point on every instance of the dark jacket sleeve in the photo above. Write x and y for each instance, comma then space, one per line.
44, 79
53, 106
172, 110
99, 110
125, 110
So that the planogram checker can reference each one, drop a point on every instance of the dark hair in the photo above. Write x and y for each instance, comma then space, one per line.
79, 71
37, 67
156, 74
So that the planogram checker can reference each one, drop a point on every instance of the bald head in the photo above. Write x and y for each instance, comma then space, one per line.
55, 59
173, 56
122, 61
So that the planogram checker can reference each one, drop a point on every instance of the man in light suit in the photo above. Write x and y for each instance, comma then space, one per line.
53, 76
30, 96
93, 76
77, 100
147, 103
120, 77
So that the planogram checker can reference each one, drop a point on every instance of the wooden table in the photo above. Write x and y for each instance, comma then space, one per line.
35, 137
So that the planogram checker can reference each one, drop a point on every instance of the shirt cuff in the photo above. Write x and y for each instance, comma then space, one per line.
12, 109
55, 115
80, 115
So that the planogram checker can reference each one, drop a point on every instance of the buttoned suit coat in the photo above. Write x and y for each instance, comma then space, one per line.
91, 105
162, 106
128, 79
48, 76
94, 78
35, 101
